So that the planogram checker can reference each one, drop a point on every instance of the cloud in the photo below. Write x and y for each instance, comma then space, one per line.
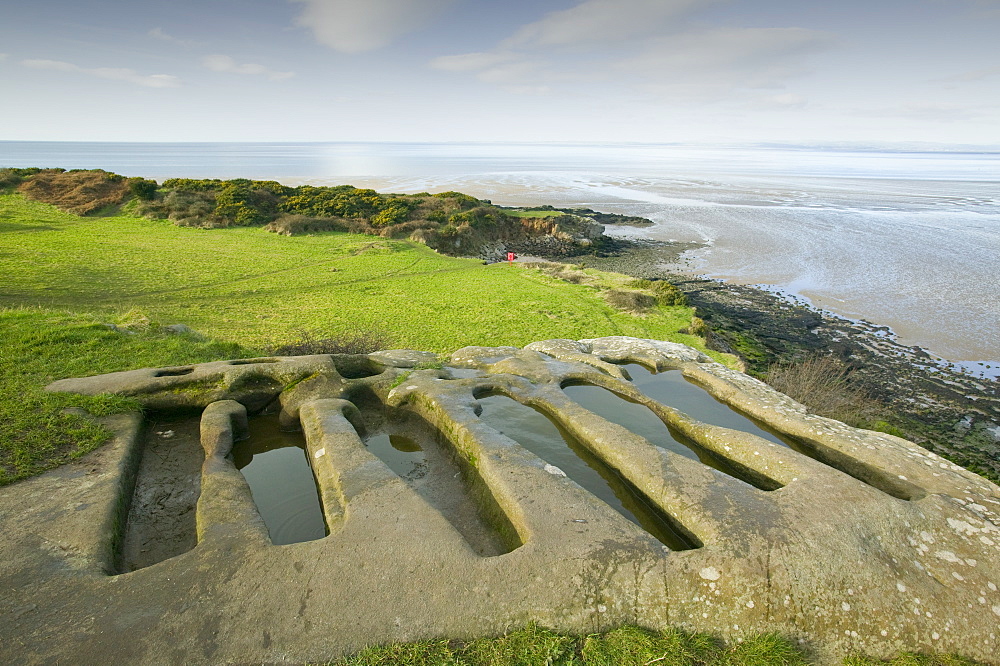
785, 100
356, 26
648, 46
926, 112
472, 62
736, 57
224, 63
602, 21
513, 71
112, 73
693, 65
158, 33
976, 75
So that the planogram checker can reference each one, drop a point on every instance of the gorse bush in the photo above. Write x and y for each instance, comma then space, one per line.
188, 208
12, 177
244, 204
451, 222
666, 293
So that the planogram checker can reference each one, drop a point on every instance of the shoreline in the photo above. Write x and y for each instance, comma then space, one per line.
932, 401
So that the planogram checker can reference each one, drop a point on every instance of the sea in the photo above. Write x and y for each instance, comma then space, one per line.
908, 239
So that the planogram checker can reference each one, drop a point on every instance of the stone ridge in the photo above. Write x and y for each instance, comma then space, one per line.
848, 540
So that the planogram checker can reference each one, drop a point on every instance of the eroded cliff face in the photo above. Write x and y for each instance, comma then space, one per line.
739, 512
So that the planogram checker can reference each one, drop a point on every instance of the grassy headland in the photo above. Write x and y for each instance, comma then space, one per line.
244, 290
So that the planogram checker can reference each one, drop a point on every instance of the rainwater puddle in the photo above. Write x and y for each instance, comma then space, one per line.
535, 432
670, 388
642, 421
401, 454
281, 480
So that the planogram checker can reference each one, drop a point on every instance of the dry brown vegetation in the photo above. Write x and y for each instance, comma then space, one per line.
824, 384
630, 301
77, 192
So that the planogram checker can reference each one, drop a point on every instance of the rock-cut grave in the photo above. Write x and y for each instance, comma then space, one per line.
578, 484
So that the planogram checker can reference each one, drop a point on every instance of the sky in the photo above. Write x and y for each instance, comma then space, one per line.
717, 71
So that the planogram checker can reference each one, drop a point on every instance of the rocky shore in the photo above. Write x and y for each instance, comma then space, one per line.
942, 407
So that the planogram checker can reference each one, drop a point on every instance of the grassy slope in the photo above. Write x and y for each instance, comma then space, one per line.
534, 213
253, 287
64, 276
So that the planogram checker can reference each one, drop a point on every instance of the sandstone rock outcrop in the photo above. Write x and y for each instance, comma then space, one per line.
848, 540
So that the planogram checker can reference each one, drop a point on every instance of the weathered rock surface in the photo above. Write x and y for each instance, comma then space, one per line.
850, 540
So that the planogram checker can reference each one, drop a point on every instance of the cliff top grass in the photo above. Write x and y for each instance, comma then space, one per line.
245, 290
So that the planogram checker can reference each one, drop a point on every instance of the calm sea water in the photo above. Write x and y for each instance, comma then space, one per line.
905, 239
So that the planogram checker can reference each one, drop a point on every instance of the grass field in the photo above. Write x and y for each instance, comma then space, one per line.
256, 288
244, 289
534, 213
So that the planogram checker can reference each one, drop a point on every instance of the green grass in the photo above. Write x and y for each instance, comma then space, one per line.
257, 288
626, 646
65, 276
534, 213
38, 346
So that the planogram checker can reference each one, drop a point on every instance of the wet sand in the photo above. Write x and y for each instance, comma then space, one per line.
918, 257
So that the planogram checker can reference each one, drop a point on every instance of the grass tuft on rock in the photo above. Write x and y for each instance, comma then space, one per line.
624, 646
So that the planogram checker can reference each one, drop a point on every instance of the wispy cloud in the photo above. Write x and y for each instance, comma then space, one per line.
226, 64
159, 34
975, 75
650, 46
473, 62
934, 112
112, 73
602, 21
749, 58
356, 26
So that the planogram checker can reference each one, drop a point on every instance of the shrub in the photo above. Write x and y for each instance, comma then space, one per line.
187, 208
394, 212
294, 225
824, 384
634, 301
666, 293
339, 201
12, 176
142, 188
464, 201
243, 204
79, 192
